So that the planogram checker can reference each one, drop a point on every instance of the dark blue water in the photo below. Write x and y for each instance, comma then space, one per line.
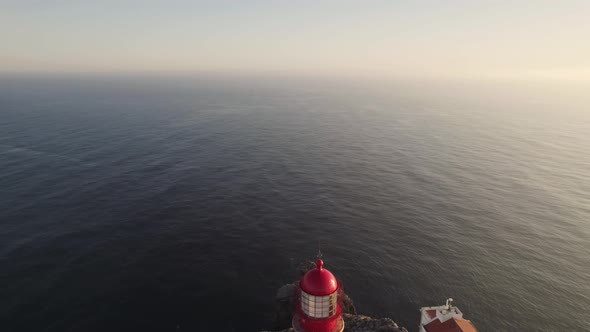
164, 204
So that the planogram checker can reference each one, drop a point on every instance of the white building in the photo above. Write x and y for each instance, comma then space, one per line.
444, 318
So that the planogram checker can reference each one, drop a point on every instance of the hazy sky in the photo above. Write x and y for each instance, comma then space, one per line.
537, 38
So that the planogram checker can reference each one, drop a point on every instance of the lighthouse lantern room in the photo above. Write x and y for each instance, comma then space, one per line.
318, 306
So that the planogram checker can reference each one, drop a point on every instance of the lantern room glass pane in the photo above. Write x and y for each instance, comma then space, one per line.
318, 306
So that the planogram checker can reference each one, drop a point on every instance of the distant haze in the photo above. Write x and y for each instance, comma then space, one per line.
482, 39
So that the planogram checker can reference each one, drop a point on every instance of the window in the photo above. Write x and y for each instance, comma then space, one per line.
318, 306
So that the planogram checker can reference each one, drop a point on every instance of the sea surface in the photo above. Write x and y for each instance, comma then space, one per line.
160, 203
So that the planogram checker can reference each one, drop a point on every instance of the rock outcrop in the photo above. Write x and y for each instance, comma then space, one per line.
360, 323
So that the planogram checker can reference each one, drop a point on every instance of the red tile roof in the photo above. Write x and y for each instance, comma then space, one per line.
431, 313
451, 325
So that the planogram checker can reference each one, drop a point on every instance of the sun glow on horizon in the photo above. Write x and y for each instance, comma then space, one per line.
543, 40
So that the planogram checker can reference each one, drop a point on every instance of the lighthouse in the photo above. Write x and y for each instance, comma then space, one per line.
318, 306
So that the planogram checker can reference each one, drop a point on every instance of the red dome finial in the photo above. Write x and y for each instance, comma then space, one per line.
319, 264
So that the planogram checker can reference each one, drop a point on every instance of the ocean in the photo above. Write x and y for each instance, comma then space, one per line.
182, 203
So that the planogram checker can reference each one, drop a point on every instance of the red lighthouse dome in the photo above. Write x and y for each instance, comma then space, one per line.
318, 304
319, 281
